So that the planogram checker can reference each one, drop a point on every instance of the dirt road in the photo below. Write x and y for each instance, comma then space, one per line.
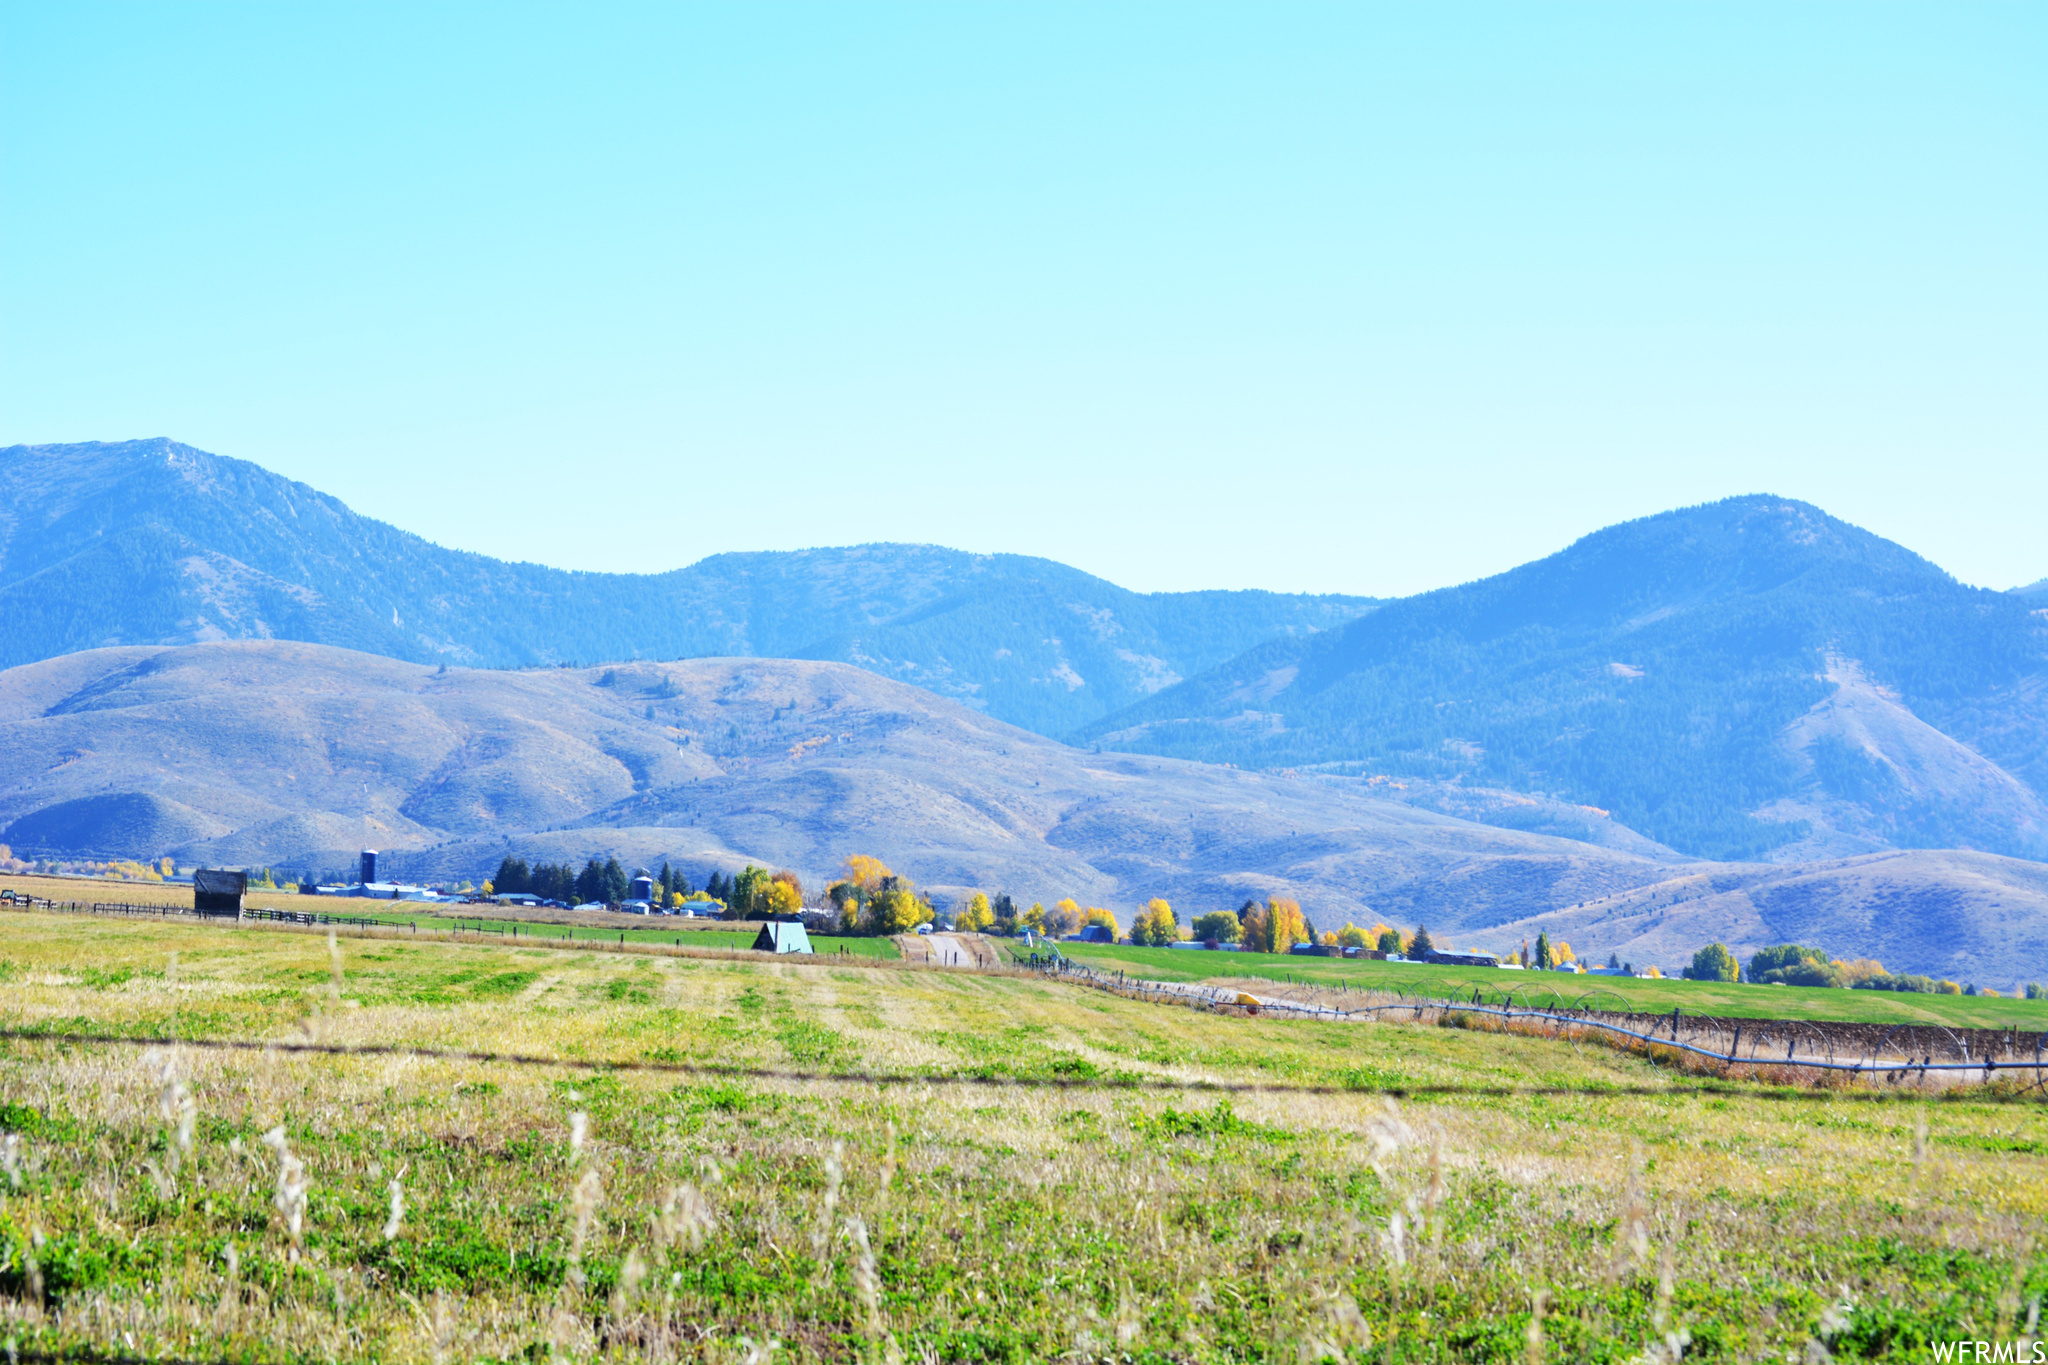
947, 950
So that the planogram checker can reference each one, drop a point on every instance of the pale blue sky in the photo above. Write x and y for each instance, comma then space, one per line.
1346, 298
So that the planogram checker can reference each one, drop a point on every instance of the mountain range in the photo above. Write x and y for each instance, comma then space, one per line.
1751, 678
1742, 685
152, 542
273, 753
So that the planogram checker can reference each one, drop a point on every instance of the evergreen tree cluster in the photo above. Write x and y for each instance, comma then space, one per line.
673, 884
605, 882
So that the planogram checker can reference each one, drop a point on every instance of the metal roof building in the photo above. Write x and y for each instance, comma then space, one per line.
780, 936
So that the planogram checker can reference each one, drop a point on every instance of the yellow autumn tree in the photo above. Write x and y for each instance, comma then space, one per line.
866, 873
1034, 918
1351, 936
1156, 924
1285, 925
974, 916
897, 912
1095, 914
780, 898
1064, 918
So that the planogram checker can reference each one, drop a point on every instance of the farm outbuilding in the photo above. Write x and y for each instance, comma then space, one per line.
782, 936
216, 891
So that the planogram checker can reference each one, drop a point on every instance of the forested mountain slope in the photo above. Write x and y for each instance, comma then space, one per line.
1745, 679
152, 542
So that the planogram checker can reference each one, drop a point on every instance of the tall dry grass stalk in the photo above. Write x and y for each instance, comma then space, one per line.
867, 1283
1632, 1224
397, 1216
828, 1212
582, 1208
292, 1188
1668, 1341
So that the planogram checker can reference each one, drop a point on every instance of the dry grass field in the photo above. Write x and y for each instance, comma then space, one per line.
772, 1160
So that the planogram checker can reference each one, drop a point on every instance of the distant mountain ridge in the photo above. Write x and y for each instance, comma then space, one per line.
1748, 678
153, 542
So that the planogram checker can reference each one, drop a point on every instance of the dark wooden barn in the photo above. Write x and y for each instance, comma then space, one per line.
217, 892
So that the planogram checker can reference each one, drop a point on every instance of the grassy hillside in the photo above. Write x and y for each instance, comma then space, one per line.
293, 756
1729, 680
880, 1162
1727, 1000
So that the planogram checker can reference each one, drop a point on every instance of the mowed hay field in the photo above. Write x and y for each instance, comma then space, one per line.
873, 1161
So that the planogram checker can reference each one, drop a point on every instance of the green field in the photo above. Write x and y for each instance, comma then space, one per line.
1603, 992
872, 1161
738, 935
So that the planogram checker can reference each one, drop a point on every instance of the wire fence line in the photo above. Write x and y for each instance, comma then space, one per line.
1895, 1053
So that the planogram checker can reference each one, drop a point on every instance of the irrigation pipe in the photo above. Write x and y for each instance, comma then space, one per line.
1066, 970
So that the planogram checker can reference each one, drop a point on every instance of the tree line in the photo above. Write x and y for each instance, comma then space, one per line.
1796, 964
604, 883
